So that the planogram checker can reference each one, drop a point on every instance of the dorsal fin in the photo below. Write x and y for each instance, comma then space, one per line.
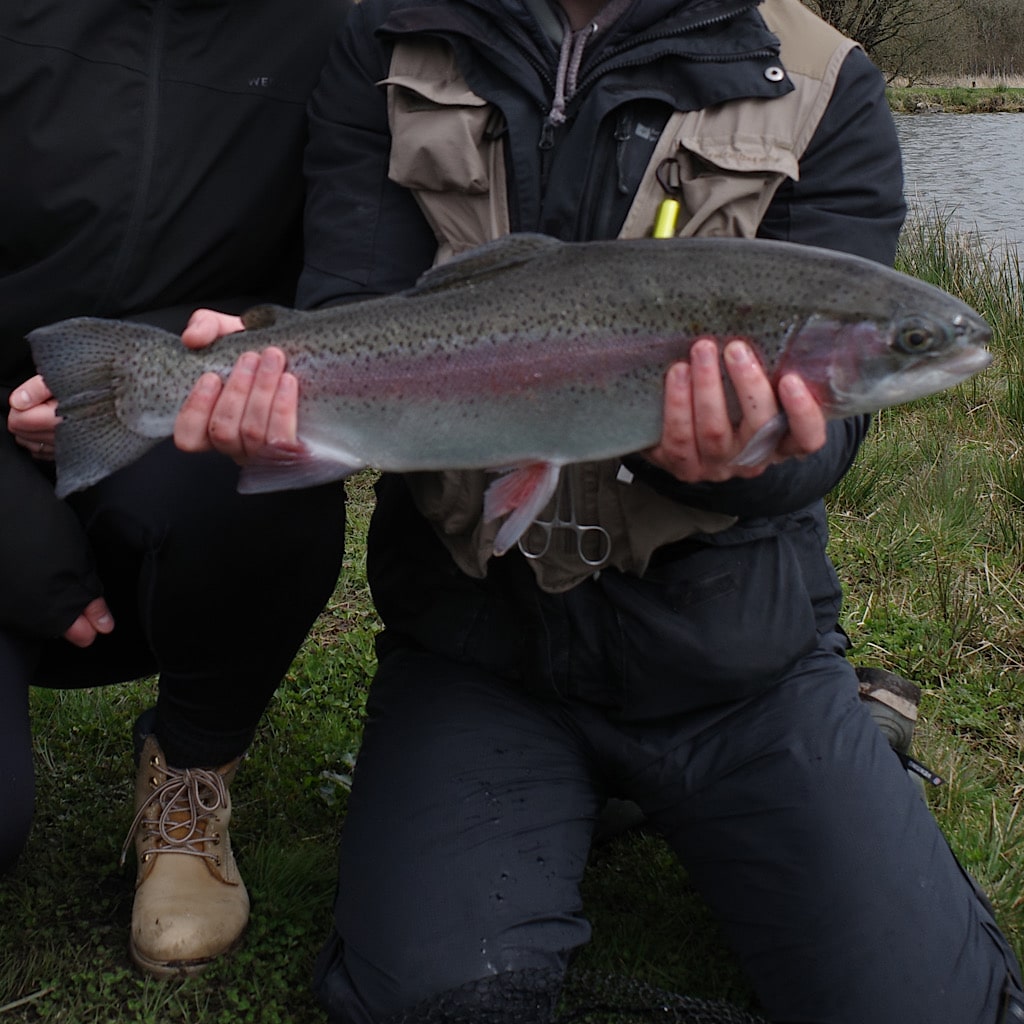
484, 260
269, 315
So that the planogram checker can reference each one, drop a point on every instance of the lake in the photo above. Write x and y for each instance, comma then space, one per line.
968, 165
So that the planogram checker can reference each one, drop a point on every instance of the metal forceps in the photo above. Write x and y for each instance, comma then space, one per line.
593, 542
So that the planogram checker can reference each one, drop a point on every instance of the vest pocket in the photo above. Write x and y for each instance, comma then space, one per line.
440, 137
723, 165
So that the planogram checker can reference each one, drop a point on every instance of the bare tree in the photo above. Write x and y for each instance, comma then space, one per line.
897, 34
998, 37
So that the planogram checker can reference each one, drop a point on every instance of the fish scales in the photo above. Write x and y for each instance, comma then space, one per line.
527, 350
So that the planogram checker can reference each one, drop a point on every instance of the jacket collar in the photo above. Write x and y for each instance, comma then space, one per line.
539, 21
636, 17
646, 30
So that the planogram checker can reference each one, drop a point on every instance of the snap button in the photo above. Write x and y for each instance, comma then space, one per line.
774, 74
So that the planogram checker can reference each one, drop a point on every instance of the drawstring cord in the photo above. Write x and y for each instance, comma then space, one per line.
570, 57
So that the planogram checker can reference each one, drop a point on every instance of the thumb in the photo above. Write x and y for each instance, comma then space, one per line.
205, 326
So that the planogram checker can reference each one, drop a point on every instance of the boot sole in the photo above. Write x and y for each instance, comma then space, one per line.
167, 969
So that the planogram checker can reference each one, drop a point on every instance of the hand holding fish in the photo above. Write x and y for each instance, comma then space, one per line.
250, 416
33, 418
700, 442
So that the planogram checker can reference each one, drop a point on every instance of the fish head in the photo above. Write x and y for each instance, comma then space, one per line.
865, 365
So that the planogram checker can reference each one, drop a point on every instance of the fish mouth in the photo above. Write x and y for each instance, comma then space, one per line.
931, 377
954, 367
970, 361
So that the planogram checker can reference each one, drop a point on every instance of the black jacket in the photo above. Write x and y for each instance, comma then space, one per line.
365, 235
152, 164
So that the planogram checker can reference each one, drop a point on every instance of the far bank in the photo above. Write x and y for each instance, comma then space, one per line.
958, 99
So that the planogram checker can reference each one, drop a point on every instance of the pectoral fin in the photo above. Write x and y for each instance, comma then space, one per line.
762, 445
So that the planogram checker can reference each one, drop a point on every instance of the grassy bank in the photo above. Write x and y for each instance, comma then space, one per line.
927, 537
956, 99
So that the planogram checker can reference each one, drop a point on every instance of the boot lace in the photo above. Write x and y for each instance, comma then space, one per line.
186, 799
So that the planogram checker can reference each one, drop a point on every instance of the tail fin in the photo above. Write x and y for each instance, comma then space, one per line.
83, 363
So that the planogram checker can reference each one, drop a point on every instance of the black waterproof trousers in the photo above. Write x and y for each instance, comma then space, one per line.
472, 812
213, 590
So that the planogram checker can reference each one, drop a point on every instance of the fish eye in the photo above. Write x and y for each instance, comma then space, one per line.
914, 335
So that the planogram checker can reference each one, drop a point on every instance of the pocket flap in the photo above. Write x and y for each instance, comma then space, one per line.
736, 149
444, 93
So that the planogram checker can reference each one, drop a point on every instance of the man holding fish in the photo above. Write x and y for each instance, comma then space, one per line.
665, 627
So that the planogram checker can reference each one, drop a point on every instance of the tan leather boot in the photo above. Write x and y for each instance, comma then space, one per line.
191, 905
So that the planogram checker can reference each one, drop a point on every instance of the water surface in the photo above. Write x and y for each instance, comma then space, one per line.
968, 166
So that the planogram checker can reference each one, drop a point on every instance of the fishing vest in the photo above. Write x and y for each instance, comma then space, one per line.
728, 161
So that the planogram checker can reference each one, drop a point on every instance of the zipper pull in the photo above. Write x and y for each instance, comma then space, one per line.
623, 133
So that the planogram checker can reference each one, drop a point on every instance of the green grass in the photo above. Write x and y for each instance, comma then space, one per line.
927, 533
927, 536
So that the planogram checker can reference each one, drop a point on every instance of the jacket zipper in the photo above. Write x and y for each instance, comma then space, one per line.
147, 158
547, 136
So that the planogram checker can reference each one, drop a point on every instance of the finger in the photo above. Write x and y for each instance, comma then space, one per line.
30, 439
714, 430
94, 620
283, 425
43, 451
31, 393
676, 452
192, 424
80, 632
31, 430
37, 422
98, 614
754, 390
807, 428
38, 448
259, 406
205, 326
225, 427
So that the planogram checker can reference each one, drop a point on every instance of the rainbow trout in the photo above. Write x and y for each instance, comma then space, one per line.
523, 355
